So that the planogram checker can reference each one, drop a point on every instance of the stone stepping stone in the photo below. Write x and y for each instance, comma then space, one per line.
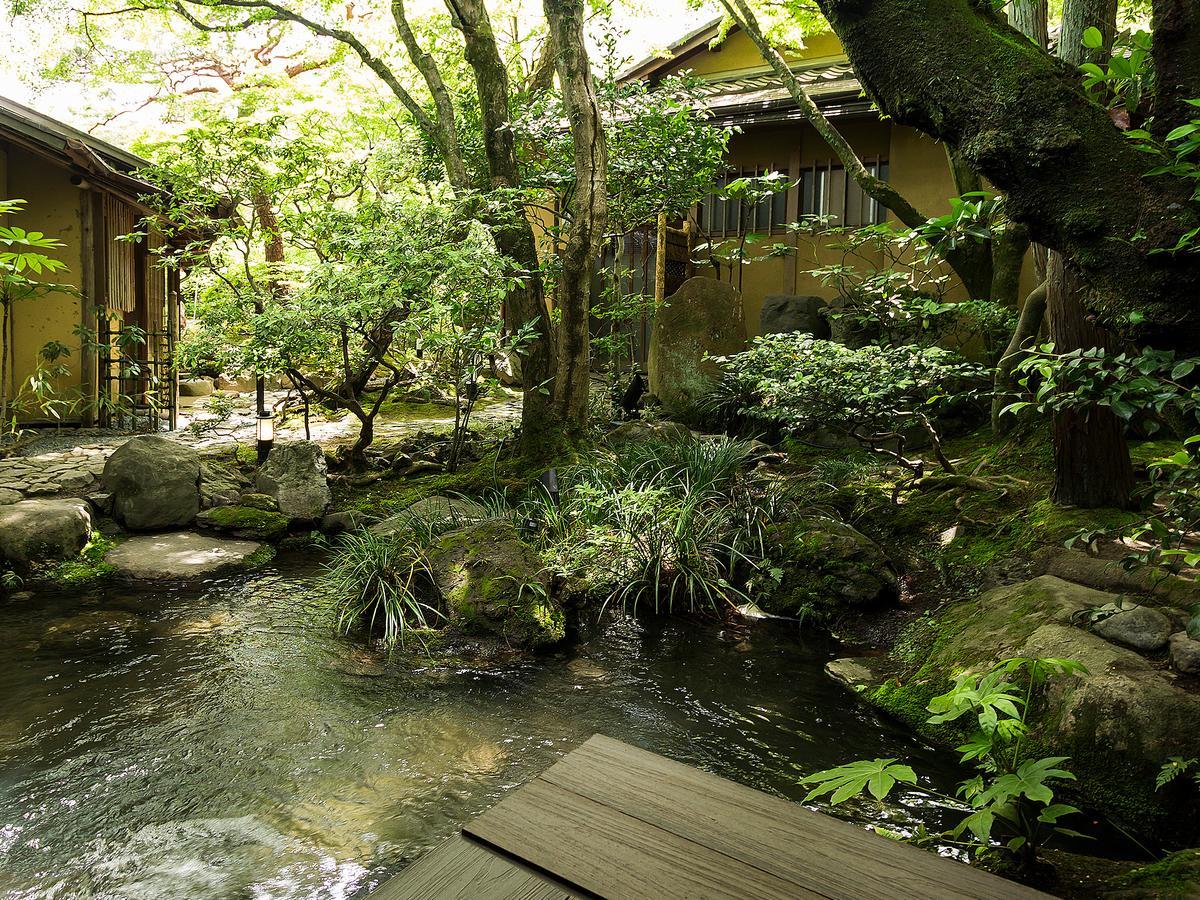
179, 554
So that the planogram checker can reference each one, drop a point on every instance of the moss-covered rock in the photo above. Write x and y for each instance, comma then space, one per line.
495, 585
244, 522
826, 565
259, 501
1176, 875
1118, 722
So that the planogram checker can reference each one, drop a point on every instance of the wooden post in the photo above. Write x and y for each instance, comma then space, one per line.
89, 373
660, 261
689, 268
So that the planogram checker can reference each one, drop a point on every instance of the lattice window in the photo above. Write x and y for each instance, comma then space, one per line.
120, 257
720, 217
826, 191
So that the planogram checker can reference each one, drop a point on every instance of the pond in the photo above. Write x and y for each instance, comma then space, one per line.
217, 741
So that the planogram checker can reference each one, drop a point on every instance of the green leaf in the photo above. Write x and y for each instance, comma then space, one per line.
876, 776
1092, 38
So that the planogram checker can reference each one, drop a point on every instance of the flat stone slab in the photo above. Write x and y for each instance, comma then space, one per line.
179, 554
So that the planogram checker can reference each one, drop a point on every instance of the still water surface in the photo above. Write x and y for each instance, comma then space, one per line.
217, 741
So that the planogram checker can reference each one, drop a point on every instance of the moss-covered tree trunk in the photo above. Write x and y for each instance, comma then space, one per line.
1092, 467
541, 429
1175, 30
956, 71
586, 212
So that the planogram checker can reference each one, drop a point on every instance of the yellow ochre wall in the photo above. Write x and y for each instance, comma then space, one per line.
917, 167
53, 207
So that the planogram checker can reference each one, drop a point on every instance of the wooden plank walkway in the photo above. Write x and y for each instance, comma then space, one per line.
613, 821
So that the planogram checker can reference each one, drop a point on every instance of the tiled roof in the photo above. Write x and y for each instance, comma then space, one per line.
762, 93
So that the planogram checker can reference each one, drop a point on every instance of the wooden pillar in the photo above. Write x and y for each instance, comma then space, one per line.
89, 389
660, 261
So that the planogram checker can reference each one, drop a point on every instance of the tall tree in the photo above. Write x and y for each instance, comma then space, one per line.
587, 211
526, 305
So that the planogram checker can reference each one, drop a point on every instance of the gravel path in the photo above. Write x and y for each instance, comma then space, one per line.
67, 462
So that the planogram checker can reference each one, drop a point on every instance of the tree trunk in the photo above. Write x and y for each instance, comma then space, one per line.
973, 259
445, 134
1032, 19
1077, 17
366, 434
525, 305
955, 71
1028, 325
1092, 466
1008, 249
1091, 456
587, 212
273, 253
1175, 46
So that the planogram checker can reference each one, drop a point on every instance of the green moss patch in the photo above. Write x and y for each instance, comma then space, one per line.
244, 522
87, 569
1177, 875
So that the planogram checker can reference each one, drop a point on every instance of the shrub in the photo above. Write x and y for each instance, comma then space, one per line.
881, 397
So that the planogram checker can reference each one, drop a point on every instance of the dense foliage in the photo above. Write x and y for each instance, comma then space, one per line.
885, 398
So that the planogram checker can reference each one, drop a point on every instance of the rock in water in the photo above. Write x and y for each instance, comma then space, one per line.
295, 475
827, 563
1139, 627
181, 554
1120, 714
34, 530
154, 483
495, 585
703, 318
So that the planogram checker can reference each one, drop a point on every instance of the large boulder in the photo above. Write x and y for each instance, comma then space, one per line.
703, 319
785, 313
154, 483
35, 530
220, 484
827, 565
495, 585
295, 475
1124, 714
181, 554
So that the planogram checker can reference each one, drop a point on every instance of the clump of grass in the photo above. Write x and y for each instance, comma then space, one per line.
384, 582
667, 525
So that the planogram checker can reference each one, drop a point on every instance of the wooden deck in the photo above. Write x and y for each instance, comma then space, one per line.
613, 821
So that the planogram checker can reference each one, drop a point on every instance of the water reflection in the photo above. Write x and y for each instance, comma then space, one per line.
218, 742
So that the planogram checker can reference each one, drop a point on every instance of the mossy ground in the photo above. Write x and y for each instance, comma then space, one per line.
994, 528
507, 474
952, 545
